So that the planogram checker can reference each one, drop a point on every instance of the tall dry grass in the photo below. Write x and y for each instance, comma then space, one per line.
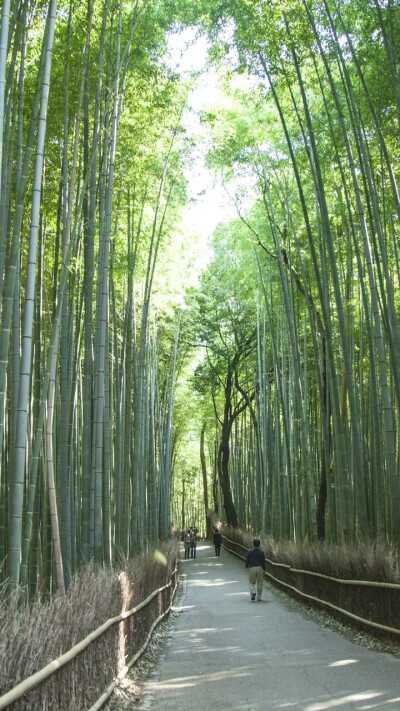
366, 560
33, 636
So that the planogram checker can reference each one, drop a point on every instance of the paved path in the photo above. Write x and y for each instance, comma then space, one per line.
226, 652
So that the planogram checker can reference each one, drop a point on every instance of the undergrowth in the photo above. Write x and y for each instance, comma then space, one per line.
37, 633
366, 560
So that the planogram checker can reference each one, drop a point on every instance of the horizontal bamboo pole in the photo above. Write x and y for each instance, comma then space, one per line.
122, 674
345, 581
27, 684
375, 625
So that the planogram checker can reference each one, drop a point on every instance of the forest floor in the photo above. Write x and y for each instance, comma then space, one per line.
219, 650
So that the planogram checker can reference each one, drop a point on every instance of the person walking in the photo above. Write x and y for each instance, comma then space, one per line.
186, 544
217, 540
193, 543
255, 564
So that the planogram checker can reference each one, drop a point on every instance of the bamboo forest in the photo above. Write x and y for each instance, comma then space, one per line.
199, 275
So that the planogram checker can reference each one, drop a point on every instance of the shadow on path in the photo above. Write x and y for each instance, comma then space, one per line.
226, 652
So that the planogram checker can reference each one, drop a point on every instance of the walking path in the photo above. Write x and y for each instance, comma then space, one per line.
226, 652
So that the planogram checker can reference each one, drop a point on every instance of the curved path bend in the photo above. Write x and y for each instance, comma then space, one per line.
226, 652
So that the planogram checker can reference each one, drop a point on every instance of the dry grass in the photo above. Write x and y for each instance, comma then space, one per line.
367, 560
33, 636
363, 561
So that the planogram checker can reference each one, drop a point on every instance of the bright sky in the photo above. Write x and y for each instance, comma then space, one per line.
208, 201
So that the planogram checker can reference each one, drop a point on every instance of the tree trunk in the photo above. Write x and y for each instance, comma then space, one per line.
224, 480
204, 473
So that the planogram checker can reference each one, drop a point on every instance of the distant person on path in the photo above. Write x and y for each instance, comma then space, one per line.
255, 564
186, 544
193, 543
217, 539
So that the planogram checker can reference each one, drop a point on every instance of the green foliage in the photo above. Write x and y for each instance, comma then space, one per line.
297, 303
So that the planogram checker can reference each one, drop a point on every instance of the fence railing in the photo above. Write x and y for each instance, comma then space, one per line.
162, 597
373, 604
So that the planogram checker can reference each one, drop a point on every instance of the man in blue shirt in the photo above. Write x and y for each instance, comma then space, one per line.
255, 564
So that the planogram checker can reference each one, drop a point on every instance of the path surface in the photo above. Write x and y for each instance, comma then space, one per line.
226, 652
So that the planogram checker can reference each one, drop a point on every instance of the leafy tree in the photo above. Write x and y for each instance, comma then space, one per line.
224, 310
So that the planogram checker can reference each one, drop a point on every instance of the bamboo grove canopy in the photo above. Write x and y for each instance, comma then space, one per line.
141, 384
